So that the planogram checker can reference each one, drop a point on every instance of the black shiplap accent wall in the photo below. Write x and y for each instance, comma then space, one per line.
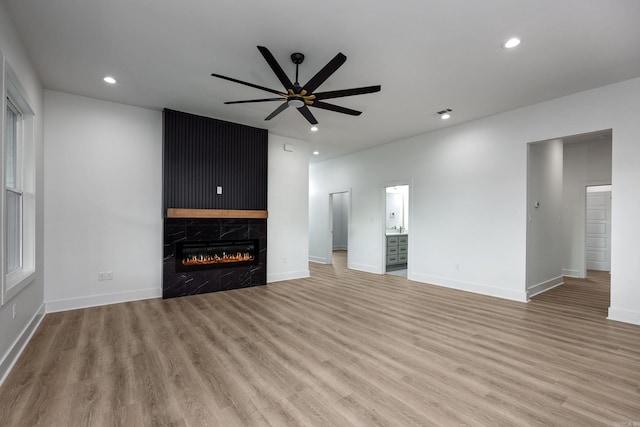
202, 153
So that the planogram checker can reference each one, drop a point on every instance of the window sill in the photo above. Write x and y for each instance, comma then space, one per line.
17, 281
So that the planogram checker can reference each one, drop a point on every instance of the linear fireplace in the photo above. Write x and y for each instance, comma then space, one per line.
195, 256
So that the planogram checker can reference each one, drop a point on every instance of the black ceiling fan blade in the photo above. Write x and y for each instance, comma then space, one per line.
304, 110
336, 108
277, 69
231, 79
324, 74
347, 92
277, 111
256, 100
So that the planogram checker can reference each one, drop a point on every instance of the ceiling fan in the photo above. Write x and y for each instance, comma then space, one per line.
302, 97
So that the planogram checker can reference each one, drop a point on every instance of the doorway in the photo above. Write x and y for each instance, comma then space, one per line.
569, 211
396, 248
339, 204
598, 228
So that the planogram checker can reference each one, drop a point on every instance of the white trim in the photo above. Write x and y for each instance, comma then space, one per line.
104, 299
17, 281
318, 259
291, 275
375, 269
572, 273
544, 286
13, 283
623, 315
15, 350
470, 287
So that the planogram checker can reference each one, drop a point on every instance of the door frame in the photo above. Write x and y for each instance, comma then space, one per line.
383, 196
583, 201
329, 236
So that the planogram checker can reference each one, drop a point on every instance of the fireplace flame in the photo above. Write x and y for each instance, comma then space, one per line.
216, 259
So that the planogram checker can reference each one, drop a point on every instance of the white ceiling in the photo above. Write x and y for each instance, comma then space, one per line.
427, 55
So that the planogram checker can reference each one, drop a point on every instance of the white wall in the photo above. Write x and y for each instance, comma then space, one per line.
103, 204
14, 333
469, 195
460, 214
585, 163
288, 205
544, 216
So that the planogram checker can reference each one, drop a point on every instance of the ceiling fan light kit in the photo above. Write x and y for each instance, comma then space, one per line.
303, 97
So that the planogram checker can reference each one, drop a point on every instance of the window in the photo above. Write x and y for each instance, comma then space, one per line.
18, 199
13, 192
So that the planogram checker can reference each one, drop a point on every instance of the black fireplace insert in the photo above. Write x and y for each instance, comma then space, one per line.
194, 256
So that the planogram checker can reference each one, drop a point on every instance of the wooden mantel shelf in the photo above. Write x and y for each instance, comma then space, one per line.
215, 213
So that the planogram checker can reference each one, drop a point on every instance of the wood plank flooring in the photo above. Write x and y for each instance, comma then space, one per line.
341, 348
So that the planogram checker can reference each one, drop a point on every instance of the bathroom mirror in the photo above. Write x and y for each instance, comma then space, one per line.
397, 208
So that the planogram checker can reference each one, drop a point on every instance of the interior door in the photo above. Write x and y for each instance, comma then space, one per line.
598, 231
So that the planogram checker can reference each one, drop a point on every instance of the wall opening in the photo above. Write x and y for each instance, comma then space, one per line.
396, 247
563, 230
339, 206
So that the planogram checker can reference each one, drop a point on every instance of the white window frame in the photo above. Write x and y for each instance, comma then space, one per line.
11, 90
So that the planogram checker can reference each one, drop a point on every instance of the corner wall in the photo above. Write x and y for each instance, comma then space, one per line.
288, 205
469, 195
544, 216
14, 333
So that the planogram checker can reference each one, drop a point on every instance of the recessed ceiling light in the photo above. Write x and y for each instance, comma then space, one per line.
314, 128
445, 114
315, 153
110, 80
511, 43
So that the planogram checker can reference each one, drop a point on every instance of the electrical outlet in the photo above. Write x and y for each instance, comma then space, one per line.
105, 275
13, 311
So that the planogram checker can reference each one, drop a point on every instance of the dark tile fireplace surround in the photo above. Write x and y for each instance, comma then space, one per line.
182, 283
216, 172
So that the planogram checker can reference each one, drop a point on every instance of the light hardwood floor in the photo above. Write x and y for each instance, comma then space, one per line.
340, 348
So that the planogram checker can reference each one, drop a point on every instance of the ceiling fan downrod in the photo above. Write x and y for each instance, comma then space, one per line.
297, 58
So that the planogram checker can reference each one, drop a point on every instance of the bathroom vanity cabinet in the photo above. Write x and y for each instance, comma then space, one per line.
397, 250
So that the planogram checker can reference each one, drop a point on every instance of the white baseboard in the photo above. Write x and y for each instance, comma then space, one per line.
290, 275
375, 269
105, 299
572, 273
319, 260
14, 352
624, 315
477, 288
544, 286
